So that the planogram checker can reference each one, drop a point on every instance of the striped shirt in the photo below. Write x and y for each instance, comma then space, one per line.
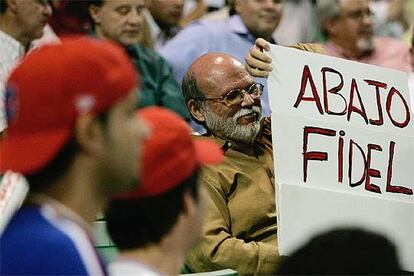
45, 240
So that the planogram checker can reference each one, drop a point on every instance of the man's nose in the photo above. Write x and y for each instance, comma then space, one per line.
247, 100
134, 17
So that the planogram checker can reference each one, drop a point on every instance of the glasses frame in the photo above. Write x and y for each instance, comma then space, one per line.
223, 99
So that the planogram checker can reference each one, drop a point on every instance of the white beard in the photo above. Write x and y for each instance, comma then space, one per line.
231, 128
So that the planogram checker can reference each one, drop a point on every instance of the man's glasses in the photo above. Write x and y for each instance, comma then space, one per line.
236, 96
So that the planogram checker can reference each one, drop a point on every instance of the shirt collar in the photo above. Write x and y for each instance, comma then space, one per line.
236, 25
12, 43
58, 209
344, 52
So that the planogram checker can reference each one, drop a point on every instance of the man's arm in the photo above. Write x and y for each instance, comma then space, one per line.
219, 249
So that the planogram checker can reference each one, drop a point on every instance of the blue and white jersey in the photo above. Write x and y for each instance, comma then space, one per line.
41, 240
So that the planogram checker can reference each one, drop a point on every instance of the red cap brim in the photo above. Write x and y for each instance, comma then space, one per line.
208, 152
28, 153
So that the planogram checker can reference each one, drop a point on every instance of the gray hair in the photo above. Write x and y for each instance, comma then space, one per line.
327, 9
190, 91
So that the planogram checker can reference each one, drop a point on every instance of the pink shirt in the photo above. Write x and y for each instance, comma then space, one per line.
388, 52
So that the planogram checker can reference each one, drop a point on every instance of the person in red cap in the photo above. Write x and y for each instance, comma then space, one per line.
156, 224
239, 230
72, 134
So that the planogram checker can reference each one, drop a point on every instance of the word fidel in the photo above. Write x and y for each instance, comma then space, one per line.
348, 109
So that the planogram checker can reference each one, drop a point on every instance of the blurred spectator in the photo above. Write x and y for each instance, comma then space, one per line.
70, 17
239, 230
163, 18
72, 138
389, 17
297, 24
155, 225
348, 26
122, 21
234, 36
20, 23
348, 251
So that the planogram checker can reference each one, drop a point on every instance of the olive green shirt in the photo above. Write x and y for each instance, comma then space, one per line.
158, 85
239, 230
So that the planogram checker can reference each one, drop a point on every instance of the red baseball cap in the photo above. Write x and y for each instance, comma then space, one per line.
51, 88
171, 154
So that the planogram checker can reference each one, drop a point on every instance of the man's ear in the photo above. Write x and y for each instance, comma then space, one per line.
195, 111
89, 134
189, 205
95, 13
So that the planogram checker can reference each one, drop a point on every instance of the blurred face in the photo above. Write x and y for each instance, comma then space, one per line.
261, 17
353, 30
240, 122
31, 17
123, 130
119, 20
167, 13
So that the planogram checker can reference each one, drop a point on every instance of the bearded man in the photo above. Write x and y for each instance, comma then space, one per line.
239, 230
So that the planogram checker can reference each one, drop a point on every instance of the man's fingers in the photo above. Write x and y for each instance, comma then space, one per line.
261, 43
257, 53
258, 64
256, 70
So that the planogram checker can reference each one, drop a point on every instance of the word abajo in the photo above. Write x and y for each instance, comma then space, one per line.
354, 95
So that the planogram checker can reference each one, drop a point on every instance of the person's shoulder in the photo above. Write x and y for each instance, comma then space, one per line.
391, 43
310, 47
147, 53
40, 245
201, 28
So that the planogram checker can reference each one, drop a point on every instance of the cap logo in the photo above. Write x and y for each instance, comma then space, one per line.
11, 104
85, 103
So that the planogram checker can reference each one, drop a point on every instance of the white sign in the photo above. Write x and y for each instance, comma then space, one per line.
343, 138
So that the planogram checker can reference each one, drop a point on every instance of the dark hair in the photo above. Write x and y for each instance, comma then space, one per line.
98, 3
56, 168
136, 223
3, 6
191, 91
343, 251
41, 180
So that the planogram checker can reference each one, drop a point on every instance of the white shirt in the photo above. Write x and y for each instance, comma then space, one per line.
11, 51
121, 267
